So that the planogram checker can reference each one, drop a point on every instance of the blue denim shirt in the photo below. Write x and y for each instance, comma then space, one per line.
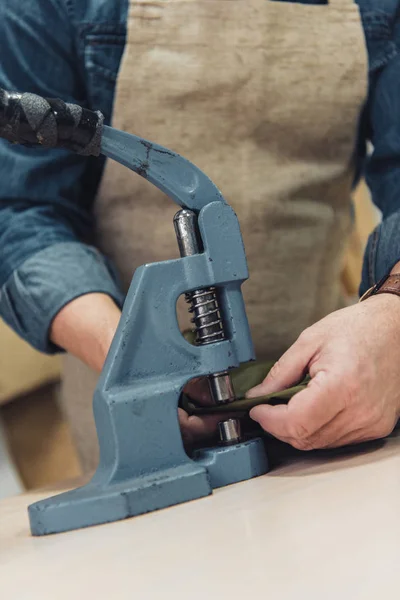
72, 49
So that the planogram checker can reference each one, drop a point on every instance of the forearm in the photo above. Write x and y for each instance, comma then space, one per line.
48, 281
85, 327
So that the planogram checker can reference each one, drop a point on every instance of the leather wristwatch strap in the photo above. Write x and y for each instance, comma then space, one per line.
388, 285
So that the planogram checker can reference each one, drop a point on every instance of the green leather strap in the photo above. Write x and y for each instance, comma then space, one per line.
244, 378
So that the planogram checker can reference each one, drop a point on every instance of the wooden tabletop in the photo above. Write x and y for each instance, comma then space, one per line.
319, 527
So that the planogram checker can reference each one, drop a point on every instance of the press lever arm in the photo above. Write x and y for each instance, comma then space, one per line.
31, 120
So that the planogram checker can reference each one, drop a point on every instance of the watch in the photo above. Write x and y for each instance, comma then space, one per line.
390, 284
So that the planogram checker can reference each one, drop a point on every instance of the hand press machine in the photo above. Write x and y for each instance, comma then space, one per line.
143, 465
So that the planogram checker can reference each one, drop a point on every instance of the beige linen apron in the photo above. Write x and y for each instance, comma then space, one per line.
265, 97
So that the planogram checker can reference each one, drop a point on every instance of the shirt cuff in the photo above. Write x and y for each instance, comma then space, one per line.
46, 282
382, 252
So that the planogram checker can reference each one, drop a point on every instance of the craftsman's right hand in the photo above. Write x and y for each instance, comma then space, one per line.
86, 326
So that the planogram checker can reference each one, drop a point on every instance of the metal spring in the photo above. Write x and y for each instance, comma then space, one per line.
207, 318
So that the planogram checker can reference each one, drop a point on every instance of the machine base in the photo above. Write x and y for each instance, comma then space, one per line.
101, 502
97, 502
231, 464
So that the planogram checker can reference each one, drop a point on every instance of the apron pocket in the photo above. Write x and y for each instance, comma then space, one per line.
102, 58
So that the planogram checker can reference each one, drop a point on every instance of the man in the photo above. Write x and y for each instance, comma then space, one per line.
270, 99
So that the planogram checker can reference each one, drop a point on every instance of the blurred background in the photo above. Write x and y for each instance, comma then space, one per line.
36, 447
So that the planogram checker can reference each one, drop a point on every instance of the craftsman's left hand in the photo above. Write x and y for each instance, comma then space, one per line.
352, 357
195, 428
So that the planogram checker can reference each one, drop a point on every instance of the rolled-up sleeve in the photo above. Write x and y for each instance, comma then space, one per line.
45, 283
383, 172
46, 226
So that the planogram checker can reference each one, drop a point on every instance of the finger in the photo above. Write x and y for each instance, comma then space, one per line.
306, 412
351, 427
355, 437
364, 434
195, 428
343, 427
328, 439
289, 370
343, 430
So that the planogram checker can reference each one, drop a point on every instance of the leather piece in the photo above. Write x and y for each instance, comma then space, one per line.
244, 378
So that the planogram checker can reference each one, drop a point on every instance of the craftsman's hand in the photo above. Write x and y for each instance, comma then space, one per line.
194, 427
352, 357
86, 326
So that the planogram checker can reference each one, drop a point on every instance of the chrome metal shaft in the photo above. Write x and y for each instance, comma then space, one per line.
230, 431
207, 321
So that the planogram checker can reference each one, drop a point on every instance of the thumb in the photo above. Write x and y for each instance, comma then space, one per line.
289, 370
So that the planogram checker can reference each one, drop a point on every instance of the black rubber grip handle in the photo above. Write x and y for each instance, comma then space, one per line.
31, 120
